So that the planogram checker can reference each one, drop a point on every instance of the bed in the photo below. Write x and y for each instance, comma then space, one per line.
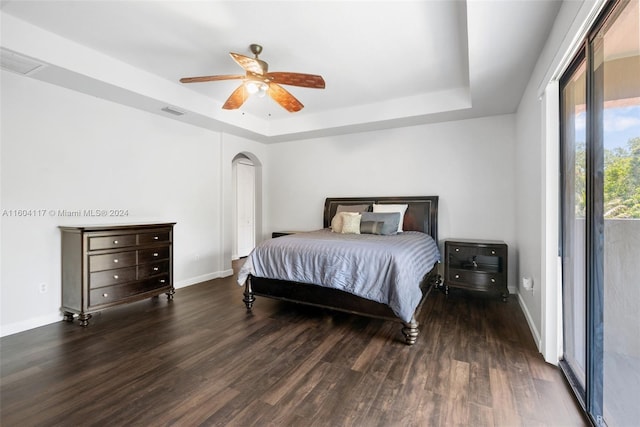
371, 273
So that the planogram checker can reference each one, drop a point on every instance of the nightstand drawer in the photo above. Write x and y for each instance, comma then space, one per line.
475, 278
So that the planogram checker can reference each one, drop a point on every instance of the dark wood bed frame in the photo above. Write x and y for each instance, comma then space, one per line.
421, 215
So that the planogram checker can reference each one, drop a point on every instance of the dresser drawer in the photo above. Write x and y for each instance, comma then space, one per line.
116, 293
156, 236
153, 254
112, 261
111, 242
153, 269
112, 277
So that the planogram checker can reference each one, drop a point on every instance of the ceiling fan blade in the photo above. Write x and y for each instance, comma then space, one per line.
254, 65
284, 98
297, 79
237, 98
210, 78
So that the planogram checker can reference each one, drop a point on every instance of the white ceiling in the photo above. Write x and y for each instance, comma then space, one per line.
385, 63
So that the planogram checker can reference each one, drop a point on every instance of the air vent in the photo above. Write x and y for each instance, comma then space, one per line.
17, 63
173, 111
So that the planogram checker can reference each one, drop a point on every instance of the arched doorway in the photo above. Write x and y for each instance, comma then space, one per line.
244, 206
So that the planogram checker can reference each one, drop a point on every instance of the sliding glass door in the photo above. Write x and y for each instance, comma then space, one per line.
600, 96
573, 110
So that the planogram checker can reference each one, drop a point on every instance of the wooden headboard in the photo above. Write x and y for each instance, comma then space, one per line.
421, 215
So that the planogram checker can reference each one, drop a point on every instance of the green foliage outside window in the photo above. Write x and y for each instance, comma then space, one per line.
621, 181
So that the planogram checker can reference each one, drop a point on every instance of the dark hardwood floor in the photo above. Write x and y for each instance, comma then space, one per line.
202, 360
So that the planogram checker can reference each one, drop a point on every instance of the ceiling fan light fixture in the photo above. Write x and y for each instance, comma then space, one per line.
256, 87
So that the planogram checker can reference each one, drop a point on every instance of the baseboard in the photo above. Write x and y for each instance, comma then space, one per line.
202, 278
36, 322
536, 334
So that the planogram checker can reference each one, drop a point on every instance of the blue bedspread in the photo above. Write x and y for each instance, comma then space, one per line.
386, 269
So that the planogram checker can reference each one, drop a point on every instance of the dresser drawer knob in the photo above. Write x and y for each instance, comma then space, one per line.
155, 237
105, 295
457, 249
493, 280
493, 252
155, 269
162, 281
115, 260
115, 276
155, 254
115, 242
457, 276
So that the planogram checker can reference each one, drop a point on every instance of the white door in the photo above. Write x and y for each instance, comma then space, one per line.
245, 197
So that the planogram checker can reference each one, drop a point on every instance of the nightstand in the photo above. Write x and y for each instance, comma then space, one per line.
476, 265
283, 233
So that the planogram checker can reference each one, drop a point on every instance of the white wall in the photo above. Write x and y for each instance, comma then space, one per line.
65, 150
469, 164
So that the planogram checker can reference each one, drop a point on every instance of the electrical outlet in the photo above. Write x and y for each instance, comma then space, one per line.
43, 288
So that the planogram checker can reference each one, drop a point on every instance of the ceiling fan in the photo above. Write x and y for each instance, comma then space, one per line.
259, 81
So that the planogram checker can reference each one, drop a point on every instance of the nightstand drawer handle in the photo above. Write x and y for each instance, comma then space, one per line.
115, 242
155, 269
155, 254
115, 276
115, 260
105, 295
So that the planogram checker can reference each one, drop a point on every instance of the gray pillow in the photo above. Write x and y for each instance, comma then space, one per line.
371, 227
391, 220
353, 208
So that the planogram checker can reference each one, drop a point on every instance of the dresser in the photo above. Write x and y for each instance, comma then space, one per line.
476, 265
105, 266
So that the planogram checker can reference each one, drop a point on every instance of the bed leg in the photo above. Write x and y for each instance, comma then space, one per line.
248, 295
410, 332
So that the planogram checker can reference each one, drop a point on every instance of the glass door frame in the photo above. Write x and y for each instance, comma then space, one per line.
591, 396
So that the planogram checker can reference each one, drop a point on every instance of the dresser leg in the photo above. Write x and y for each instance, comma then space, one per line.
84, 319
505, 296
68, 317
170, 294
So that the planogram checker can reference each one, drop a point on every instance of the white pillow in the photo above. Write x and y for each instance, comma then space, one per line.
351, 224
393, 208
337, 221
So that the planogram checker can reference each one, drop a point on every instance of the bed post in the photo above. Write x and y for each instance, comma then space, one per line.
248, 294
410, 332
